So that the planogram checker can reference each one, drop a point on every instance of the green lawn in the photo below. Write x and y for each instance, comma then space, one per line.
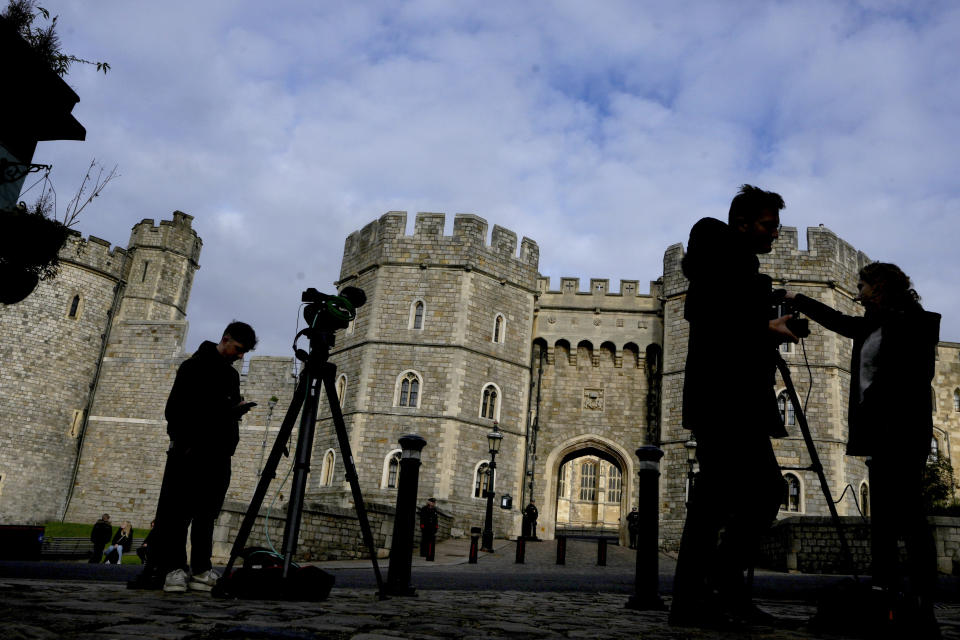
78, 530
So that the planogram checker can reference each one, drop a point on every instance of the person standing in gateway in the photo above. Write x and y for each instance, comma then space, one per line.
203, 414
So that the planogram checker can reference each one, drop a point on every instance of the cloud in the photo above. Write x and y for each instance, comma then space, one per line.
602, 131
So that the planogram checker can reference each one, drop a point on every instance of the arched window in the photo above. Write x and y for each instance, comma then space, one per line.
864, 499
791, 498
614, 484
956, 399
490, 402
934, 450
391, 470
326, 471
786, 409
341, 388
562, 482
416, 315
588, 481
482, 481
407, 393
499, 328
74, 312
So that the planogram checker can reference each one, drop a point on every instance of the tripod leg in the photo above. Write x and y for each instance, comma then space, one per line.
308, 421
329, 381
268, 474
815, 463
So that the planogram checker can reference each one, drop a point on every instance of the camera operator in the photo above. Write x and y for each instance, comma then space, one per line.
203, 413
729, 404
890, 420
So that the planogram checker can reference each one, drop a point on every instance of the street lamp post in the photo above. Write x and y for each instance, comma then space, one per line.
494, 438
691, 447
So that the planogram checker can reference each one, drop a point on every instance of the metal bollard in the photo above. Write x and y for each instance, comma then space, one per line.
647, 594
401, 551
474, 544
601, 552
521, 549
561, 549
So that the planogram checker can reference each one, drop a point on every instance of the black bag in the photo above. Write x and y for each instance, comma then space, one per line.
261, 578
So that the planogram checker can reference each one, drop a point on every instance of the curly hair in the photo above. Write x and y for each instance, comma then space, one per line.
895, 285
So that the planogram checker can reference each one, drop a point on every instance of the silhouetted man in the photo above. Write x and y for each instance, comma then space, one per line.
633, 527
429, 523
99, 536
729, 403
203, 414
530, 516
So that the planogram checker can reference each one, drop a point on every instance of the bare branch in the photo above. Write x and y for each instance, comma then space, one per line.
79, 201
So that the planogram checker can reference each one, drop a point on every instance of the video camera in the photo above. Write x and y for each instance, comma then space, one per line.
331, 312
798, 325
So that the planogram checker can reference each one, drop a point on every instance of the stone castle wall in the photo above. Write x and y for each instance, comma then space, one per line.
49, 360
596, 391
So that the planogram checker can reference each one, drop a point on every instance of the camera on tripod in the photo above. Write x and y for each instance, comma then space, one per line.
331, 312
782, 307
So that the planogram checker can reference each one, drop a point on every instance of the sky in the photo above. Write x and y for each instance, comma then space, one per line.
602, 130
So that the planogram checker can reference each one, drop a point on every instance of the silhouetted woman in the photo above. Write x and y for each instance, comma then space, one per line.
890, 419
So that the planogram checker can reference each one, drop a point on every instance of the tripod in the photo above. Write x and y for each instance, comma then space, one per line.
316, 371
815, 464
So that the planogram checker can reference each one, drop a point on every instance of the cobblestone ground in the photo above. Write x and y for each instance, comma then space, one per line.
43, 609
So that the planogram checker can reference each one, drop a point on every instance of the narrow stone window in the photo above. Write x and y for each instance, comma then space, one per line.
482, 481
490, 403
614, 484
326, 471
787, 418
408, 390
146, 266
865, 500
341, 388
74, 312
391, 471
934, 450
933, 399
791, 498
956, 399
76, 423
416, 315
588, 481
499, 328
562, 482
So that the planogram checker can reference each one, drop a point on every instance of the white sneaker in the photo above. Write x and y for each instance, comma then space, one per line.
204, 581
176, 581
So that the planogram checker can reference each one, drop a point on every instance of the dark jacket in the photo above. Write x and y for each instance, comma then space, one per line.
895, 415
123, 540
101, 532
429, 520
730, 366
200, 412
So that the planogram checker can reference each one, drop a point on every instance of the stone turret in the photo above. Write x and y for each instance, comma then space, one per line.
163, 260
453, 314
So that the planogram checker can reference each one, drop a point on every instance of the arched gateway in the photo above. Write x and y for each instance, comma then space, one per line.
588, 486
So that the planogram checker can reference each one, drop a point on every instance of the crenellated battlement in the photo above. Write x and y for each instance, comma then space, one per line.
598, 294
171, 235
827, 258
385, 241
94, 253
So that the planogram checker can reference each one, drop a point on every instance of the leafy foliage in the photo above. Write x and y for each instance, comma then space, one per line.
938, 485
21, 14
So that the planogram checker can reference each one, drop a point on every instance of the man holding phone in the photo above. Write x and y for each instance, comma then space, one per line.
203, 414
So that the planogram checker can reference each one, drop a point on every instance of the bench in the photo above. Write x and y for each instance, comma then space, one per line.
70, 547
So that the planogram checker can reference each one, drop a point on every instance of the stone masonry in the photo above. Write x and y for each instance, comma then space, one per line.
568, 374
